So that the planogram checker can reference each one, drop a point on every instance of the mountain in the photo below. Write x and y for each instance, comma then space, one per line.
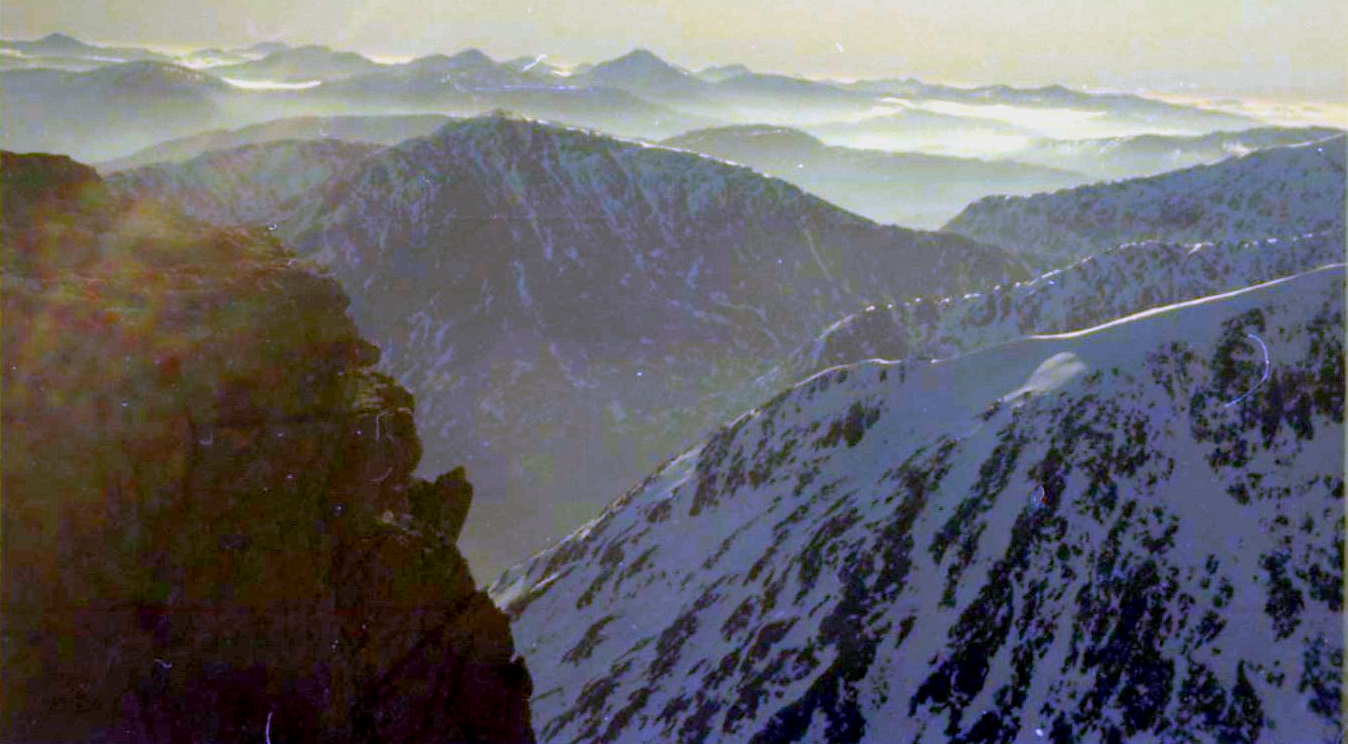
435, 86
379, 130
1270, 193
251, 185
63, 47
437, 77
1150, 154
744, 98
754, 97
536, 65
611, 111
264, 48
299, 65
1119, 108
212, 532
1121, 281
571, 308
1126, 533
903, 188
644, 74
716, 74
112, 109
755, 84
215, 57
914, 129
748, 142
467, 59
115, 111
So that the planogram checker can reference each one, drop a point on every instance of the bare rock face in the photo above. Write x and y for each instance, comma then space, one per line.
206, 518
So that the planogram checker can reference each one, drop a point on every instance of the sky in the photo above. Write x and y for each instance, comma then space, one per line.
1264, 47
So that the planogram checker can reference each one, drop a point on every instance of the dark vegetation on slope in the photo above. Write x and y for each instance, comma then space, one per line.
206, 497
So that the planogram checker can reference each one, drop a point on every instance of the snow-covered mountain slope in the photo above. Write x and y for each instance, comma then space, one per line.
912, 189
247, 186
1127, 533
570, 309
1271, 193
380, 130
1149, 154
1118, 282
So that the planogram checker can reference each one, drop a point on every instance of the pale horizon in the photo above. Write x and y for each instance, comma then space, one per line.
1201, 47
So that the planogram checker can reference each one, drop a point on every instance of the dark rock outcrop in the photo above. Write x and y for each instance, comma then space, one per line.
205, 515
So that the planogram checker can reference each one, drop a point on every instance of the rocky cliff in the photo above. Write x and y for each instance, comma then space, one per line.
211, 530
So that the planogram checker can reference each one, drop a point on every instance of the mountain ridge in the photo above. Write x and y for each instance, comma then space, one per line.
1273, 192
1000, 560
599, 247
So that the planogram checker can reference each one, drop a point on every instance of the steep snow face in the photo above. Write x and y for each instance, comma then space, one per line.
1129, 533
570, 309
1273, 192
255, 185
1118, 282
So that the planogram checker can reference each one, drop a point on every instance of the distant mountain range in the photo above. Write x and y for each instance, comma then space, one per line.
744, 96
59, 51
518, 275
636, 95
380, 130
914, 129
113, 111
1150, 154
913, 189
109, 110
1275, 192
1119, 105
258, 184
299, 64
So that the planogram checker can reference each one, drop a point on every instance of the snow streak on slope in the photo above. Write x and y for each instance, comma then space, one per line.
897, 552
1273, 192
1118, 282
